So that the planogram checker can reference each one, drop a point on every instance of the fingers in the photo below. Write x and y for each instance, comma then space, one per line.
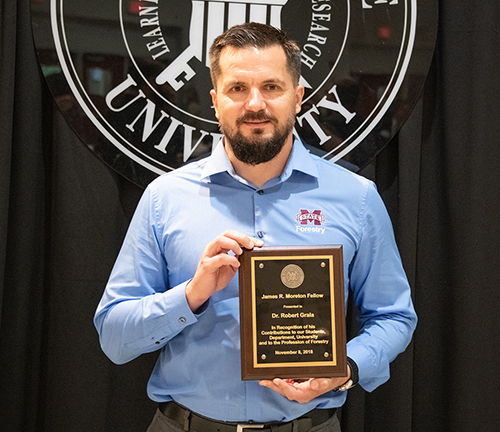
217, 266
322, 385
302, 391
212, 264
242, 239
231, 241
289, 388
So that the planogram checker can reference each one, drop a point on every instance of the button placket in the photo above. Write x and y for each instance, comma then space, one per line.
258, 214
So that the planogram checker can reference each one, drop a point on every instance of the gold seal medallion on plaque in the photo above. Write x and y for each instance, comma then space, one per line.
292, 276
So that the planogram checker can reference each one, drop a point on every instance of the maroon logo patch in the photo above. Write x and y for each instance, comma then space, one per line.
304, 217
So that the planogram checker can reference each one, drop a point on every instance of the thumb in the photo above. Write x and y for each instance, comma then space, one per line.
314, 384
320, 384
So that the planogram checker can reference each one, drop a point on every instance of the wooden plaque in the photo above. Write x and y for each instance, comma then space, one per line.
292, 312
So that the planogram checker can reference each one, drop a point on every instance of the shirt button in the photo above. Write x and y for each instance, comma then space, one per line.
260, 192
260, 234
182, 320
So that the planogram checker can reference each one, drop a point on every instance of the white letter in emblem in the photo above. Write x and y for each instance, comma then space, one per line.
179, 71
367, 6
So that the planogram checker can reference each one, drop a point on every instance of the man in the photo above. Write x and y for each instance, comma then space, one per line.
162, 296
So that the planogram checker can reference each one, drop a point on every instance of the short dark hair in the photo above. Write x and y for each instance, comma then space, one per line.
258, 36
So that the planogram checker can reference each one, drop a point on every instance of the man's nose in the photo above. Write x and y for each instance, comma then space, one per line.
255, 101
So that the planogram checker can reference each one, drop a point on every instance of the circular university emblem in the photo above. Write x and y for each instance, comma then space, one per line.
292, 276
132, 76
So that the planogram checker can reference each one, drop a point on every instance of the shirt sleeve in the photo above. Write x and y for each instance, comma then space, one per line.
381, 294
139, 312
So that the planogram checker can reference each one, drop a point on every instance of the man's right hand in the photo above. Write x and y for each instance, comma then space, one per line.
217, 267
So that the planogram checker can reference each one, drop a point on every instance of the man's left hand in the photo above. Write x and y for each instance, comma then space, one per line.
303, 391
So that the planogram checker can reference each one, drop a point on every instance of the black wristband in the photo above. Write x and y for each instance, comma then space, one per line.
354, 370
353, 380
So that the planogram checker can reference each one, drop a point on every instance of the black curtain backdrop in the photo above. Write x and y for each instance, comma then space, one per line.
63, 215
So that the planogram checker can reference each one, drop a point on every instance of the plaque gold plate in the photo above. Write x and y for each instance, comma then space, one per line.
292, 312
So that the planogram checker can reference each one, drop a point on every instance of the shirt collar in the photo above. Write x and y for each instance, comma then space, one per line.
217, 163
300, 160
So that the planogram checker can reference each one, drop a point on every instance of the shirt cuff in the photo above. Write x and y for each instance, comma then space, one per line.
173, 316
177, 308
372, 372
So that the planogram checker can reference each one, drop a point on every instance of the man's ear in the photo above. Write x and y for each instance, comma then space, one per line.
213, 93
299, 95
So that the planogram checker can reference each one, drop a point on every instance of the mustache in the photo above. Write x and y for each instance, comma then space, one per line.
255, 116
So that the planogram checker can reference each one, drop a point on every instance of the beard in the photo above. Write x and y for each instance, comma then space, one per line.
257, 149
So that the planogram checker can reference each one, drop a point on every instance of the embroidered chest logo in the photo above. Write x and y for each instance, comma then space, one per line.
316, 218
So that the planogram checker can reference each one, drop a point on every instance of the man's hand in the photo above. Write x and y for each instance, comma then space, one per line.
217, 267
304, 391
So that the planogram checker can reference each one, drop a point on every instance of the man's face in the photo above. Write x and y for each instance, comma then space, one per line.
256, 102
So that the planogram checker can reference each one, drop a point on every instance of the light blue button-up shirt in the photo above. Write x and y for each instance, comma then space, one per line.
144, 307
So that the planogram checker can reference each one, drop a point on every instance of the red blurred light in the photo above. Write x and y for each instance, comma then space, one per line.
384, 32
135, 7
